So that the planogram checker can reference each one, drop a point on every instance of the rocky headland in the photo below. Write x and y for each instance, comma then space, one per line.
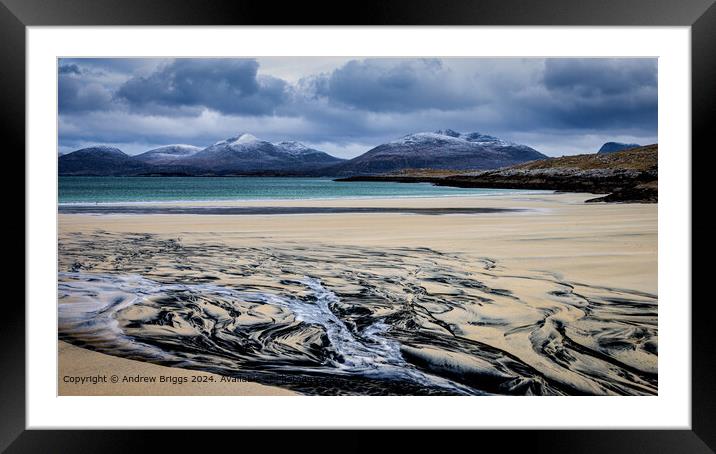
624, 176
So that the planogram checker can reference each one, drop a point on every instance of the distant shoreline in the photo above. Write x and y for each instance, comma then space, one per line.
113, 191
178, 175
275, 210
625, 176
636, 192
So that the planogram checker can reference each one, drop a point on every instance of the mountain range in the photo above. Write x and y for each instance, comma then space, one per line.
443, 149
240, 155
247, 155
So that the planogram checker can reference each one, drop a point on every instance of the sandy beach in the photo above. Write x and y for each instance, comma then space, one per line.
563, 268
78, 363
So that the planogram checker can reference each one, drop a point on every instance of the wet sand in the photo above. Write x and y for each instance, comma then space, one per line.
558, 298
77, 363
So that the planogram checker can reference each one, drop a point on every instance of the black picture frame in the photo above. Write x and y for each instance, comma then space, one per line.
700, 15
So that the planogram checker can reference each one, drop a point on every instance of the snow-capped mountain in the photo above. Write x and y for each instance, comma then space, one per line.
612, 147
295, 148
443, 149
167, 154
307, 154
246, 153
242, 154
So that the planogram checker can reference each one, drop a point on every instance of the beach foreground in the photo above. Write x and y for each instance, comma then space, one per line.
76, 363
557, 297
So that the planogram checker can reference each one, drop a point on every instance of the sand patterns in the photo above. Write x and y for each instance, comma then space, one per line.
323, 319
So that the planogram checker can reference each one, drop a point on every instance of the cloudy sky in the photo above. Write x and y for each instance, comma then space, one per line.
345, 106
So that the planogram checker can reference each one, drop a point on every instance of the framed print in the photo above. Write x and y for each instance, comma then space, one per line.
418, 217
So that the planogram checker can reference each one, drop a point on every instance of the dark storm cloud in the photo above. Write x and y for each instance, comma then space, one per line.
600, 93
393, 85
78, 95
559, 104
578, 93
230, 86
69, 69
598, 77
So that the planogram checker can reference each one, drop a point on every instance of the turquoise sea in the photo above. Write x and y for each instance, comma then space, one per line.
168, 189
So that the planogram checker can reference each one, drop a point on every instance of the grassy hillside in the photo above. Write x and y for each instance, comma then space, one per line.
642, 158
